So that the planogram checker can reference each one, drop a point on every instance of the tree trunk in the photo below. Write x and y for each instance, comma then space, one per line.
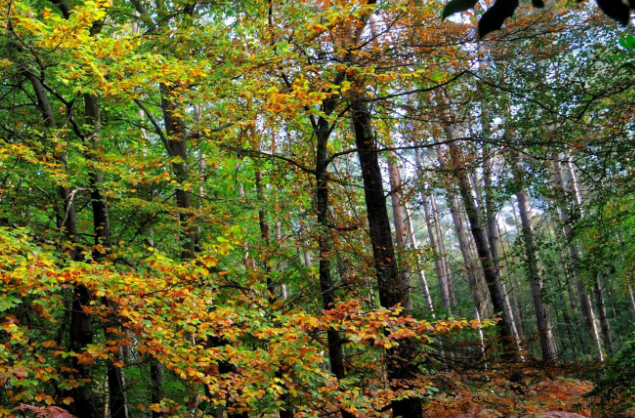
401, 232
391, 290
443, 284
545, 330
322, 130
506, 327
574, 256
101, 228
443, 253
423, 282
604, 320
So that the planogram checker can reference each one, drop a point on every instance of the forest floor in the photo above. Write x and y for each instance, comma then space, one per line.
488, 395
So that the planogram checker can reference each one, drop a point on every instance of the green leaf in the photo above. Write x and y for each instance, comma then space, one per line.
627, 42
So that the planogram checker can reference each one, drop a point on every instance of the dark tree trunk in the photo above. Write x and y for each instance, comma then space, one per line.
490, 272
101, 228
401, 368
322, 130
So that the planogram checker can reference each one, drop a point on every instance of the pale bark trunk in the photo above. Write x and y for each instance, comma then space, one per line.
512, 290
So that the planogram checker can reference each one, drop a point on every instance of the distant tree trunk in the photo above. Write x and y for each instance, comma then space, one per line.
534, 270
574, 256
512, 288
265, 234
574, 186
423, 282
443, 253
604, 321
391, 290
401, 231
506, 327
632, 297
440, 270
468, 262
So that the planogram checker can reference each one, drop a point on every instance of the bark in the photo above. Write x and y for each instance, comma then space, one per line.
574, 187
401, 232
513, 285
156, 389
534, 270
632, 297
176, 145
468, 262
423, 282
265, 235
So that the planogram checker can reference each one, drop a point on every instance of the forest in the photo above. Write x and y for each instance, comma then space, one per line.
317, 208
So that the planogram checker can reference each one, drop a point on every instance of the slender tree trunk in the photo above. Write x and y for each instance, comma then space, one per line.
632, 297
506, 326
604, 320
468, 262
443, 285
512, 288
423, 282
101, 223
574, 256
545, 330
443, 253
322, 130
401, 232
391, 290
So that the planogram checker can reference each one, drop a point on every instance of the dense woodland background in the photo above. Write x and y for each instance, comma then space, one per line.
313, 208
